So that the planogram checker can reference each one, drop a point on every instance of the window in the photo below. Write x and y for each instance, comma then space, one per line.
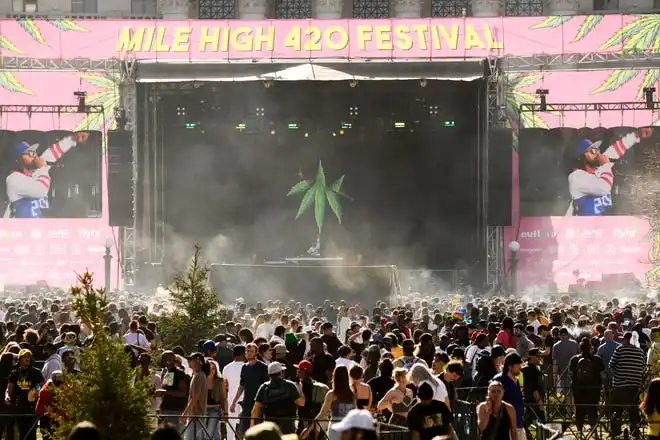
217, 9
84, 6
524, 8
143, 7
449, 8
371, 9
25, 6
293, 9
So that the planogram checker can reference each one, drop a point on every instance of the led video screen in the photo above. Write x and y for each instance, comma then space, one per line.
54, 174
583, 172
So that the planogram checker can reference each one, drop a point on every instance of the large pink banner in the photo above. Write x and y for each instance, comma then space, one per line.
322, 39
564, 250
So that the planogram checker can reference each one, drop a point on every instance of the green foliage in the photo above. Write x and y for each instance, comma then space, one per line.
106, 391
198, 311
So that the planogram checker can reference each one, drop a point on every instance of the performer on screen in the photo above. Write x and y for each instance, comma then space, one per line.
590, 183
29, 182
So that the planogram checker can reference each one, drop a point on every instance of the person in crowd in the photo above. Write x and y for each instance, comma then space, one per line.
314, 394
253, 374
279, 400
85, 431
533, 388
562, 353
496, 419
587, 372
628, 365
331, 341
398, 400
451, 374
605, 351
419, 373
344, 357
357, 425
216, 402
512, 393
23, 388
651, 408
44, 405
53, 360
430, 418
135, 337
382, 383
408, 359
153, 379
232, 376
339, 400
323, 362
174, 392
197, 399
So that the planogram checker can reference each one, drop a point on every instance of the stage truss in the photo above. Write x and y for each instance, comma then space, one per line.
51, 109
590, 107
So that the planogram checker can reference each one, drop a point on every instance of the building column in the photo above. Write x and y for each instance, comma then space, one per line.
407, 8
487, 8
252, 9
174, 9
328, 9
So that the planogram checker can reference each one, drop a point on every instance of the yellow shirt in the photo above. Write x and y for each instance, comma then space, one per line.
397, 352
654, 423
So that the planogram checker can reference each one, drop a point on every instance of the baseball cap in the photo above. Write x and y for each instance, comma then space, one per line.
305, 366
355, 419
23, 147
280, 349
208, 346
24, 352
275, 368
267, 431
197, 356
585, 145
534, 352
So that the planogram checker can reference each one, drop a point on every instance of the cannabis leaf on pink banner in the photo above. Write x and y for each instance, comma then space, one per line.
588, 24
108, 97
10, 82
30, 26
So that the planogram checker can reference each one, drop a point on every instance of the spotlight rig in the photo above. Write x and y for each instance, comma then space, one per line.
542, 93
648, 96
81, 96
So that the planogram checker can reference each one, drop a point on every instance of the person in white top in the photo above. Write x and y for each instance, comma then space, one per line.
266, 329
232, 375
134, 337
344, 359
419, 373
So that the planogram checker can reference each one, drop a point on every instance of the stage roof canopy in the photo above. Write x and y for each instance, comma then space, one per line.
447, 69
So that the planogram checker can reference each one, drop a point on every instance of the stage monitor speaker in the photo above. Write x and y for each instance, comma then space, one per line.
120, 178
500, 150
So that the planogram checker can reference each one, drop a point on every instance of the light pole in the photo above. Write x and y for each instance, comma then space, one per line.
108, 259
514, 247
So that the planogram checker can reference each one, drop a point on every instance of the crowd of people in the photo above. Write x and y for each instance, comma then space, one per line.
332, 369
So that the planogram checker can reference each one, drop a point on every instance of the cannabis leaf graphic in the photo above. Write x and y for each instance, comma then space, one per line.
589, 23
513, 85
318, 193
10, 82
29, 25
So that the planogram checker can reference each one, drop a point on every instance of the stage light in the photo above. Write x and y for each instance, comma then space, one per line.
399, 124
82, 105
191, 124
241, 126
353, 83
306, 135
648, 95
272, 132
542, 93
345, 124
449, 123
268, 83
423, 82
292, 126
181, 110
260, 112
433, 110
353, 111
341, 132
334, 134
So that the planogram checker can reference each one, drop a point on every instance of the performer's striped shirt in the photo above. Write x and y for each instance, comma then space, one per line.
628, 365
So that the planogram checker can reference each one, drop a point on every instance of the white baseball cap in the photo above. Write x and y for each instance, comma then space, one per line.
355, 419
275, 368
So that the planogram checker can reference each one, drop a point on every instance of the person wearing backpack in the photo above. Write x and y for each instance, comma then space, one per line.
314, 393
408, 359
279, 399
587, 371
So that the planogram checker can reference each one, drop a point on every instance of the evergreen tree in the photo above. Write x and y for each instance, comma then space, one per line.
107, 391
197, 312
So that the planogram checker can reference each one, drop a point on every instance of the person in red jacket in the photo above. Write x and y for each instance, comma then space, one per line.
45, 403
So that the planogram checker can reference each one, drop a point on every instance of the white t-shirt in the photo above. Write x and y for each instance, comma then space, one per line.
265, 330
344, 362
232, 373
136, 339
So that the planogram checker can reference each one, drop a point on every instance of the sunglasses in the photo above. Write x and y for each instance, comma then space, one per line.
30, 153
